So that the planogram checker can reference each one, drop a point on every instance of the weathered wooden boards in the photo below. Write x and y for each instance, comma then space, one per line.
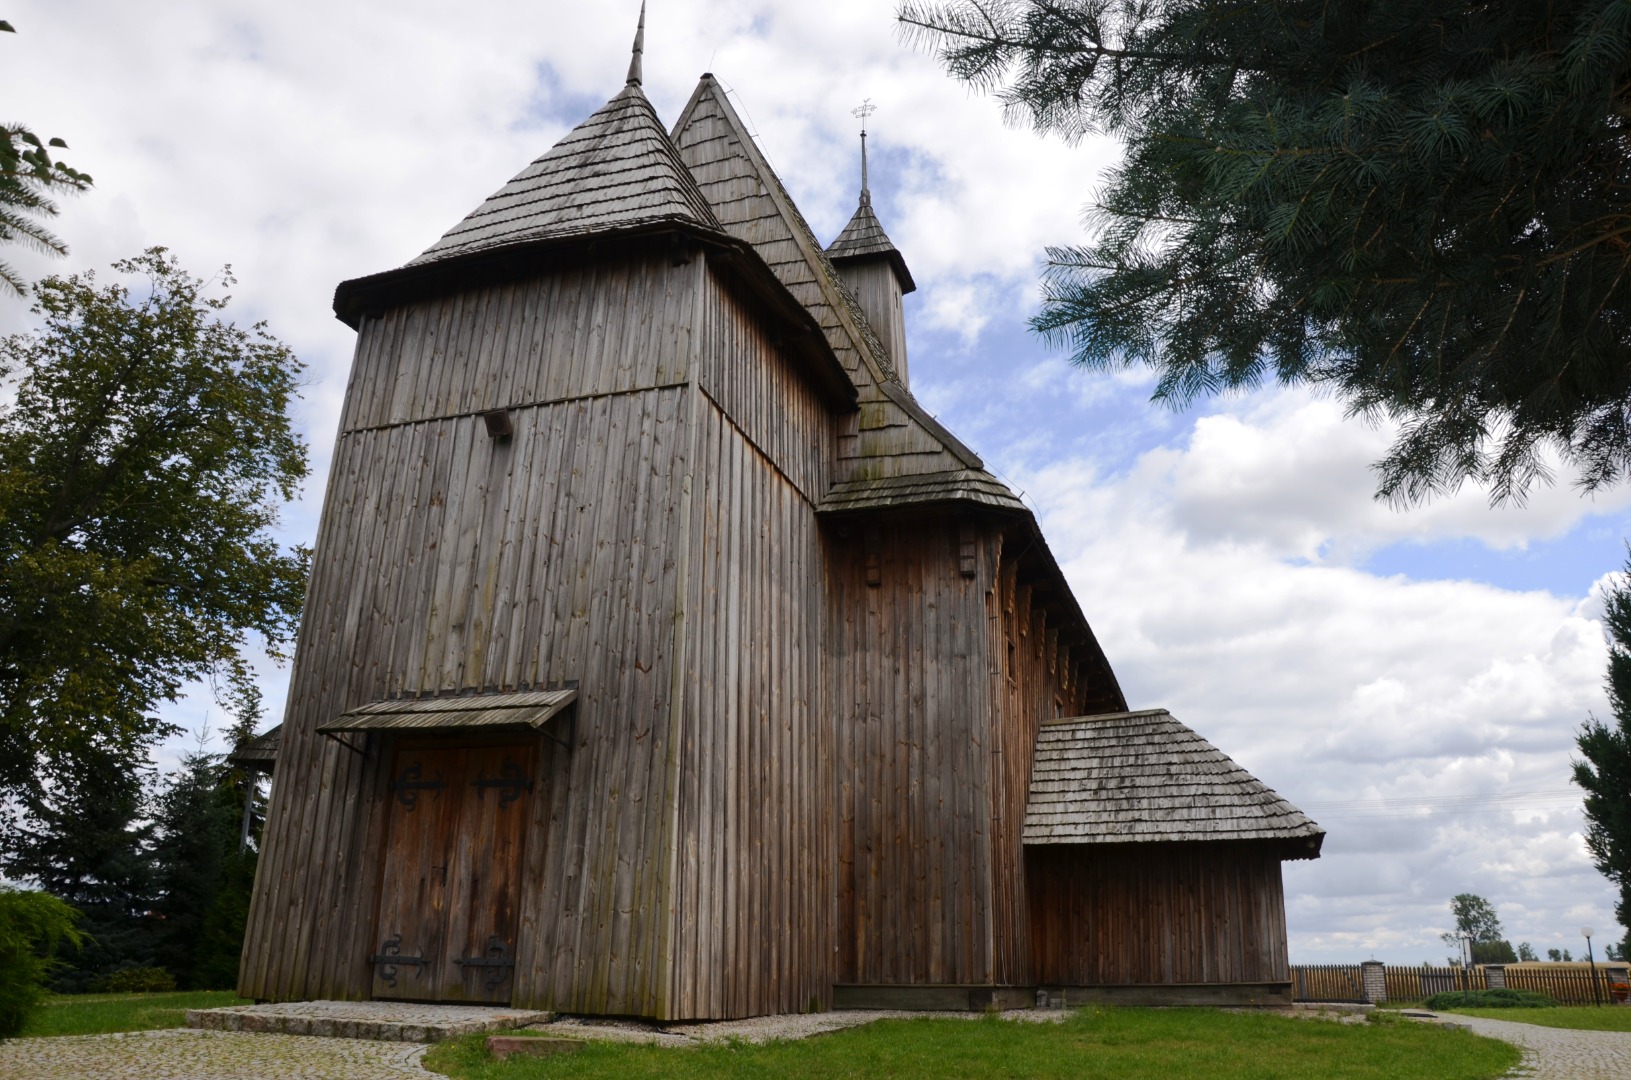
1157, 913
936, 719
448, 560
754, 831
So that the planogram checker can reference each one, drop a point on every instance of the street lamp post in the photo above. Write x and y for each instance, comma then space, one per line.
1466, 968
1596, 996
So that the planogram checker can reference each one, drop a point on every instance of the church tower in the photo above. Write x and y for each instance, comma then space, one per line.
874, 268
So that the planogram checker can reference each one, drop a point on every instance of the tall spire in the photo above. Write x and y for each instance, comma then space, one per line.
639, 47
864, 110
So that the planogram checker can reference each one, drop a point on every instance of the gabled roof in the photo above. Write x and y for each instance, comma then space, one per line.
617, 171
1135, 777
260, 752
752, 205
864, 238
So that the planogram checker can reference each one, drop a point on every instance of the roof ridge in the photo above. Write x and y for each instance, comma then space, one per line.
872, 352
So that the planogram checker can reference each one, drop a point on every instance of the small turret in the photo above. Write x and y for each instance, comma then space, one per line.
874, 269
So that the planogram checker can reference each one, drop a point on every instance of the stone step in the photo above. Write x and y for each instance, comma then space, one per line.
383, 1021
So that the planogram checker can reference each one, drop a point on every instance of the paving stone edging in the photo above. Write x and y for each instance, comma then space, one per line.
378, 1021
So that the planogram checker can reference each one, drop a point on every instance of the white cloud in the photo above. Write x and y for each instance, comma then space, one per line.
1336, 686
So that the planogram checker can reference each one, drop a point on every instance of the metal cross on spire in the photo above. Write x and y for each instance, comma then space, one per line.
863, 110
635, 73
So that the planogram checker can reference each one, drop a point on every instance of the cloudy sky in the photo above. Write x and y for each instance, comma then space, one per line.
1412, 680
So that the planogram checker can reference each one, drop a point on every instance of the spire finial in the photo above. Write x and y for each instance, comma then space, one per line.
864, 110
639, 47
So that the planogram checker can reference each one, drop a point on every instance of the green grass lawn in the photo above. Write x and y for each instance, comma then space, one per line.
1123, 1044
99, 1014
1580, 1017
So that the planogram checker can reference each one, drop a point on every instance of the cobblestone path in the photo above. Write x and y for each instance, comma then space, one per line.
1559, 1053
185, 1054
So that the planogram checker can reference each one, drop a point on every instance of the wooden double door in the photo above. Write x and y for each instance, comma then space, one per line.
450, 883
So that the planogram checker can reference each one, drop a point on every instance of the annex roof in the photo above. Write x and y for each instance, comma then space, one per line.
260, 752
617, 171
1135, 777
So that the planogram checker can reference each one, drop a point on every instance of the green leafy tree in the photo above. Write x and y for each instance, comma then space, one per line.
145, 451
1420, 206
1603, 771
1475, 918
29, 175
90, 847
33, 927
1526, 953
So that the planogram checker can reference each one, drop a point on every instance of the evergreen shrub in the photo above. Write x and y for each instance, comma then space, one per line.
33, 925
141, 980
1491, 999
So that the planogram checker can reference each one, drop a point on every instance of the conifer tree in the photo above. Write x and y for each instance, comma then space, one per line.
201, 879
1421, 206
1605, 771
29, 174
91, 847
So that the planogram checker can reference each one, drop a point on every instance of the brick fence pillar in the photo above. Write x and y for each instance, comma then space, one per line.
1494, 977
1373, 978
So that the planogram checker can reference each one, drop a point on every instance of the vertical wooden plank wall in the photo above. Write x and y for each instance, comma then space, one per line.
1032, 679
1116, 915
753, 910
910, 688
449, 561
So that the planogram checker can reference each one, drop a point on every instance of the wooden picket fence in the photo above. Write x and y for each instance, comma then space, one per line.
1570, 985
1414, 983
1326, 982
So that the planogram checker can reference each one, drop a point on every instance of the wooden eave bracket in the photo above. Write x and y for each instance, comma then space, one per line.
361, 751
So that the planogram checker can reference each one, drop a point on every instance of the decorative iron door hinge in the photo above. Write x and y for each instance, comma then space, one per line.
410, 782
511, 782
390, 957
498, 960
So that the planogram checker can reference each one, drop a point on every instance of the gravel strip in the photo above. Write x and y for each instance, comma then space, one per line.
186, 1054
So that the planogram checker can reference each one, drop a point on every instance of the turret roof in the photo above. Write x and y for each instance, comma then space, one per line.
864, 237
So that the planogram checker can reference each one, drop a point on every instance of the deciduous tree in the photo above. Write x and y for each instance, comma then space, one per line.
145, 451
1475, 918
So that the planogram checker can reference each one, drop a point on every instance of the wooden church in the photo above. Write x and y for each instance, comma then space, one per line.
663, 657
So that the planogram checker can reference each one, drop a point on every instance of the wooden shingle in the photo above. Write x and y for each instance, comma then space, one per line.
1134, 777
616, 171
864, 238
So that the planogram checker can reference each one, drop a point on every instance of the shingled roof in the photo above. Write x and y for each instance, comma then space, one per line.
616, 171
260, 752
1135, 777
958, 485
864, 238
